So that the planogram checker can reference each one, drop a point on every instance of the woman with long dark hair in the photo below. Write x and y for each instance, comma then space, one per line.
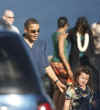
82, 48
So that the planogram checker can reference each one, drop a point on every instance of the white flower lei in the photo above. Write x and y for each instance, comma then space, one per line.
86, 42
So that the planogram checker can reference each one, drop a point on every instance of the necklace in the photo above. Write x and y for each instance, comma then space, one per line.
79, 43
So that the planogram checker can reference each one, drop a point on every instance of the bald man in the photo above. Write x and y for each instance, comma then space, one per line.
9, 17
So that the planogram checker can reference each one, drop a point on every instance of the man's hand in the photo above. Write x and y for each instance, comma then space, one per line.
61, 86
55, 79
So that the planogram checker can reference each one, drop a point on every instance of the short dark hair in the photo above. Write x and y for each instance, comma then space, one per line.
30, 21
62, 21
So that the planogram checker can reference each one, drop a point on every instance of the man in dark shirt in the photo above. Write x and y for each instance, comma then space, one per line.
38, 50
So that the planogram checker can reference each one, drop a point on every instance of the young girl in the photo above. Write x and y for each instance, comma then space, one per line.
80, 96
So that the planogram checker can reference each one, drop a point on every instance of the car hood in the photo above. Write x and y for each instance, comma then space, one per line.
20, 101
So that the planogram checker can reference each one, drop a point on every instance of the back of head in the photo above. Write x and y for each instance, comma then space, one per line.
82, 20
82, 24
62, 21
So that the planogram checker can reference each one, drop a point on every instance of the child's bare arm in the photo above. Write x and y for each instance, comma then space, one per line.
67, 105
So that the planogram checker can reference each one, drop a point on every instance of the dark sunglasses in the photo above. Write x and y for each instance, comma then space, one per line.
10, 17
34, 31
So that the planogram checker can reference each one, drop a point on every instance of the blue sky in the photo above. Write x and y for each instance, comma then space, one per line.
47, 12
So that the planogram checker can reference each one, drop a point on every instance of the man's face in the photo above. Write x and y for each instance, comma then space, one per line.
98, 28
9, 17
33, 31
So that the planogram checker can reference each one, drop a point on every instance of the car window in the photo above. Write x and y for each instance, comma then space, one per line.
16, 70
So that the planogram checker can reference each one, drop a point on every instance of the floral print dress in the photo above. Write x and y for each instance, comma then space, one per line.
80, 99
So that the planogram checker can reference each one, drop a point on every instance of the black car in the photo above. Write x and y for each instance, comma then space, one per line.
20, 87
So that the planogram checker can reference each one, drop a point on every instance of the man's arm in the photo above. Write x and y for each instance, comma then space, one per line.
55, 79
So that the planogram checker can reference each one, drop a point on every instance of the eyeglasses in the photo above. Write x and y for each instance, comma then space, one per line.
34, 31
10, 17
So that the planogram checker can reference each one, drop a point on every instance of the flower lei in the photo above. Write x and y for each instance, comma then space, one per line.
86, 42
